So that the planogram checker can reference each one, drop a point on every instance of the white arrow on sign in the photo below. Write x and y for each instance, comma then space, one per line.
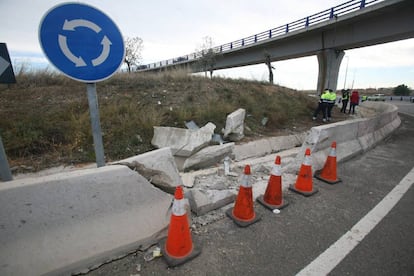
72, 24
4, 64
65, 49
105, 52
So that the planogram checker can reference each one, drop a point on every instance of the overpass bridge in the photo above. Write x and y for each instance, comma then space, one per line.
326, 34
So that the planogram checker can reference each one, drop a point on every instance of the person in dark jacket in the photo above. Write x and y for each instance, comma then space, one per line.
354, 101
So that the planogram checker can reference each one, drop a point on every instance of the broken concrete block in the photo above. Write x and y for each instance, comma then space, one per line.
156, 177
66, 223
209, 156
234, 129
183, 142
160, 160
204, 201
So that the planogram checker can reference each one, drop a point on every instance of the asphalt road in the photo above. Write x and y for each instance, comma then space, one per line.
404, 106
286, 243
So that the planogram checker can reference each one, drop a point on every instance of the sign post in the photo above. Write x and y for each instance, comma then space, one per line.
96, 127
87, 46
6, 76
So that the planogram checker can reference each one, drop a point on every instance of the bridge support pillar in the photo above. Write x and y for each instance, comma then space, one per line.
329, 61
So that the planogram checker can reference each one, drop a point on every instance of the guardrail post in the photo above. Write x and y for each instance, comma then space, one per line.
362, 4
331, 15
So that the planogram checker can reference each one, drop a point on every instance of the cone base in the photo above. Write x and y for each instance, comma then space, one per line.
173, 261
241, 223
318, 176
304, 193
271, 207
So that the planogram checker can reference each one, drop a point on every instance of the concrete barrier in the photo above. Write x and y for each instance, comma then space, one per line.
352, 136
65, 223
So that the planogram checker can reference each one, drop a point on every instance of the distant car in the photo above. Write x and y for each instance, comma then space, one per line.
377, 97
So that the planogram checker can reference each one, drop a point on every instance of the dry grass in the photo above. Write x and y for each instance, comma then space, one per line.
44, 118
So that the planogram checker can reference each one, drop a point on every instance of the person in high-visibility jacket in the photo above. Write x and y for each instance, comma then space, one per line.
345, 99
331, 103
322, 106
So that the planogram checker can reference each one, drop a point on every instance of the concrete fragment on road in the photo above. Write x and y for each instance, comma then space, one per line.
204, 201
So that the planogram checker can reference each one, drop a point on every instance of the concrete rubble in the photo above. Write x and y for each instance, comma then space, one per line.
234, 129
208, 157
183, 142
157, 166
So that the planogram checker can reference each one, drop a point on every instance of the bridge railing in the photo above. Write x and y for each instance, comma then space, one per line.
325, 15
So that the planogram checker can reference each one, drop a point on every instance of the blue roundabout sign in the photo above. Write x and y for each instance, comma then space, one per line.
82, 42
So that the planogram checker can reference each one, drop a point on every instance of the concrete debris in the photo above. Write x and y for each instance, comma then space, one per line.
234, 129
208, 156
191, 125
156, 177
158, 160
204, 201
217, 139
183, 142
151, 253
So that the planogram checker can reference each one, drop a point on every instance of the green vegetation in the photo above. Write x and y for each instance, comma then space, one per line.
402, 90
44, 118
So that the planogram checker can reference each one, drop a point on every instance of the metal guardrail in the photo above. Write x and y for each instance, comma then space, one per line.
303, 23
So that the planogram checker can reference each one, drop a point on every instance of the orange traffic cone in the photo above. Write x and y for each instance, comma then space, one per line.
304, 183
272, 199
243, 213
328, 173
178, 247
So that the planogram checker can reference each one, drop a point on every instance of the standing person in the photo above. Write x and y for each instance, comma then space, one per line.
354, 101
345, 99
322, 106
331, 103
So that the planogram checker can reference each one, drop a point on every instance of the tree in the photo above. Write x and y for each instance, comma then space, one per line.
207, 59
402, 90
133, 48
268, 63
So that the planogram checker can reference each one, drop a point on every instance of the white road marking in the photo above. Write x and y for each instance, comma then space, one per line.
332, 256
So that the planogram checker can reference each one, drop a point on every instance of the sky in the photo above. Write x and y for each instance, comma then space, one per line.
174, 28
